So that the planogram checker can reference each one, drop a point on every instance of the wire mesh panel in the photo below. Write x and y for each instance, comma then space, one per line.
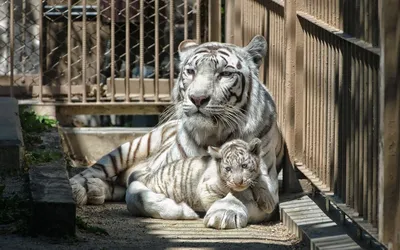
80, 51
20, 56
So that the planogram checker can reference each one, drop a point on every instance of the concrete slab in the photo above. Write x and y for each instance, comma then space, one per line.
11, 141
307, 221
53, 208
90, 144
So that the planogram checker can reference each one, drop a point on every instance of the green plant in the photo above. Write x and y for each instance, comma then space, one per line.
82, 225
33, 123
41, 156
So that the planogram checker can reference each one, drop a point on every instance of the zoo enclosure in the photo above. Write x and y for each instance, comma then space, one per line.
324, 68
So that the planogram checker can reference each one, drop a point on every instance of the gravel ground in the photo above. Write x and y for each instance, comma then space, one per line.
126, 231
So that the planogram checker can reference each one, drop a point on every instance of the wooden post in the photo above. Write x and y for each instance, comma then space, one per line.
389, 157
229, 21
214, 20
290, 182
237, 22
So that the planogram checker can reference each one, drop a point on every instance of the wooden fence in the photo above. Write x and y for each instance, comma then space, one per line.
332, 67
338, 98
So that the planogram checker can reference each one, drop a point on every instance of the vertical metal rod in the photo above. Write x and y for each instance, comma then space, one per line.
185, 19
69, 48
12, 38
198, 21
141, 59
306, 94
98, 51
156, 50
127, 50
84, 50
364, 136
171, 45
112, 80
229, 21
41, 52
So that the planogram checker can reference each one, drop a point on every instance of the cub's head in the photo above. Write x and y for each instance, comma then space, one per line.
239, 163
214, 85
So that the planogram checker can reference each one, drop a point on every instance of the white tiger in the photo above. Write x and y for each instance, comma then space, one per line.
217, 98
193, 184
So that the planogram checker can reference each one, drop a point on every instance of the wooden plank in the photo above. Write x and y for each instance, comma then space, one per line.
389, 174
307, 221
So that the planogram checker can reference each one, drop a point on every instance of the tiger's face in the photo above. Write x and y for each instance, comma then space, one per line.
214, 85
239, 163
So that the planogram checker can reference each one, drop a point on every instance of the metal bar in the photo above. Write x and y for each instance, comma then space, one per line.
12, 44
127, 49
112, 79
365, 123
171, 44
84, 50
69, 48
313, 89
342, 114
157, 50
98, 51
336, 103
357, 94
306, 63
198, 21
185, 19
214, 18
370, 138
375, 136
41, 53
230, 21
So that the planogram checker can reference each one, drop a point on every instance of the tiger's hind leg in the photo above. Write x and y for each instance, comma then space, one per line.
141, 201
96, 191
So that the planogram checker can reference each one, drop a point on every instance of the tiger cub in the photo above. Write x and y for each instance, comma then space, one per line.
185, 186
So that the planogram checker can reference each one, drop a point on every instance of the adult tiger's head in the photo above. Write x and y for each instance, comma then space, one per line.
214, 87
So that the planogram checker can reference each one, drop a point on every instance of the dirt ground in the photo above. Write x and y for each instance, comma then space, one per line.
127, 232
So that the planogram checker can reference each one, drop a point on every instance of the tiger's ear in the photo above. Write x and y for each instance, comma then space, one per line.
257, 49
214, 152
254, 146
185, 47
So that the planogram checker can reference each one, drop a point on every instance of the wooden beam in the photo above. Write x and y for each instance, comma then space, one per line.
389, 156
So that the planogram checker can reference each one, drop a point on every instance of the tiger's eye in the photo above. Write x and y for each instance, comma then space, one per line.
244, 166
190, 71
226, 73
228, 169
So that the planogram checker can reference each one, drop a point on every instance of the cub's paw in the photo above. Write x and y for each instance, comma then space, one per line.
227, 213
261, 198
96, 194
78, 192
188, 213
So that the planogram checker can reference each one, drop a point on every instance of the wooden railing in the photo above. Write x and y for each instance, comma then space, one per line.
331, 85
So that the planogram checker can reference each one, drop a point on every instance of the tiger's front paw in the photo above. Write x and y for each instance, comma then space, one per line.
227, 213
96, 194
78, 192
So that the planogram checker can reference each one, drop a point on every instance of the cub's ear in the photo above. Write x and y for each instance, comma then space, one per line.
254, 146
214, 152
257, 49
185, 47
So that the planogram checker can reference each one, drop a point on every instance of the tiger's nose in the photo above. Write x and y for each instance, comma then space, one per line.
238, 181
199, 100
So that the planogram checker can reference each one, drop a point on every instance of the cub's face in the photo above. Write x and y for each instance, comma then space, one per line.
239, 163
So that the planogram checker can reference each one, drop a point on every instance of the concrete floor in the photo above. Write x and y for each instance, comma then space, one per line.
126, 232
